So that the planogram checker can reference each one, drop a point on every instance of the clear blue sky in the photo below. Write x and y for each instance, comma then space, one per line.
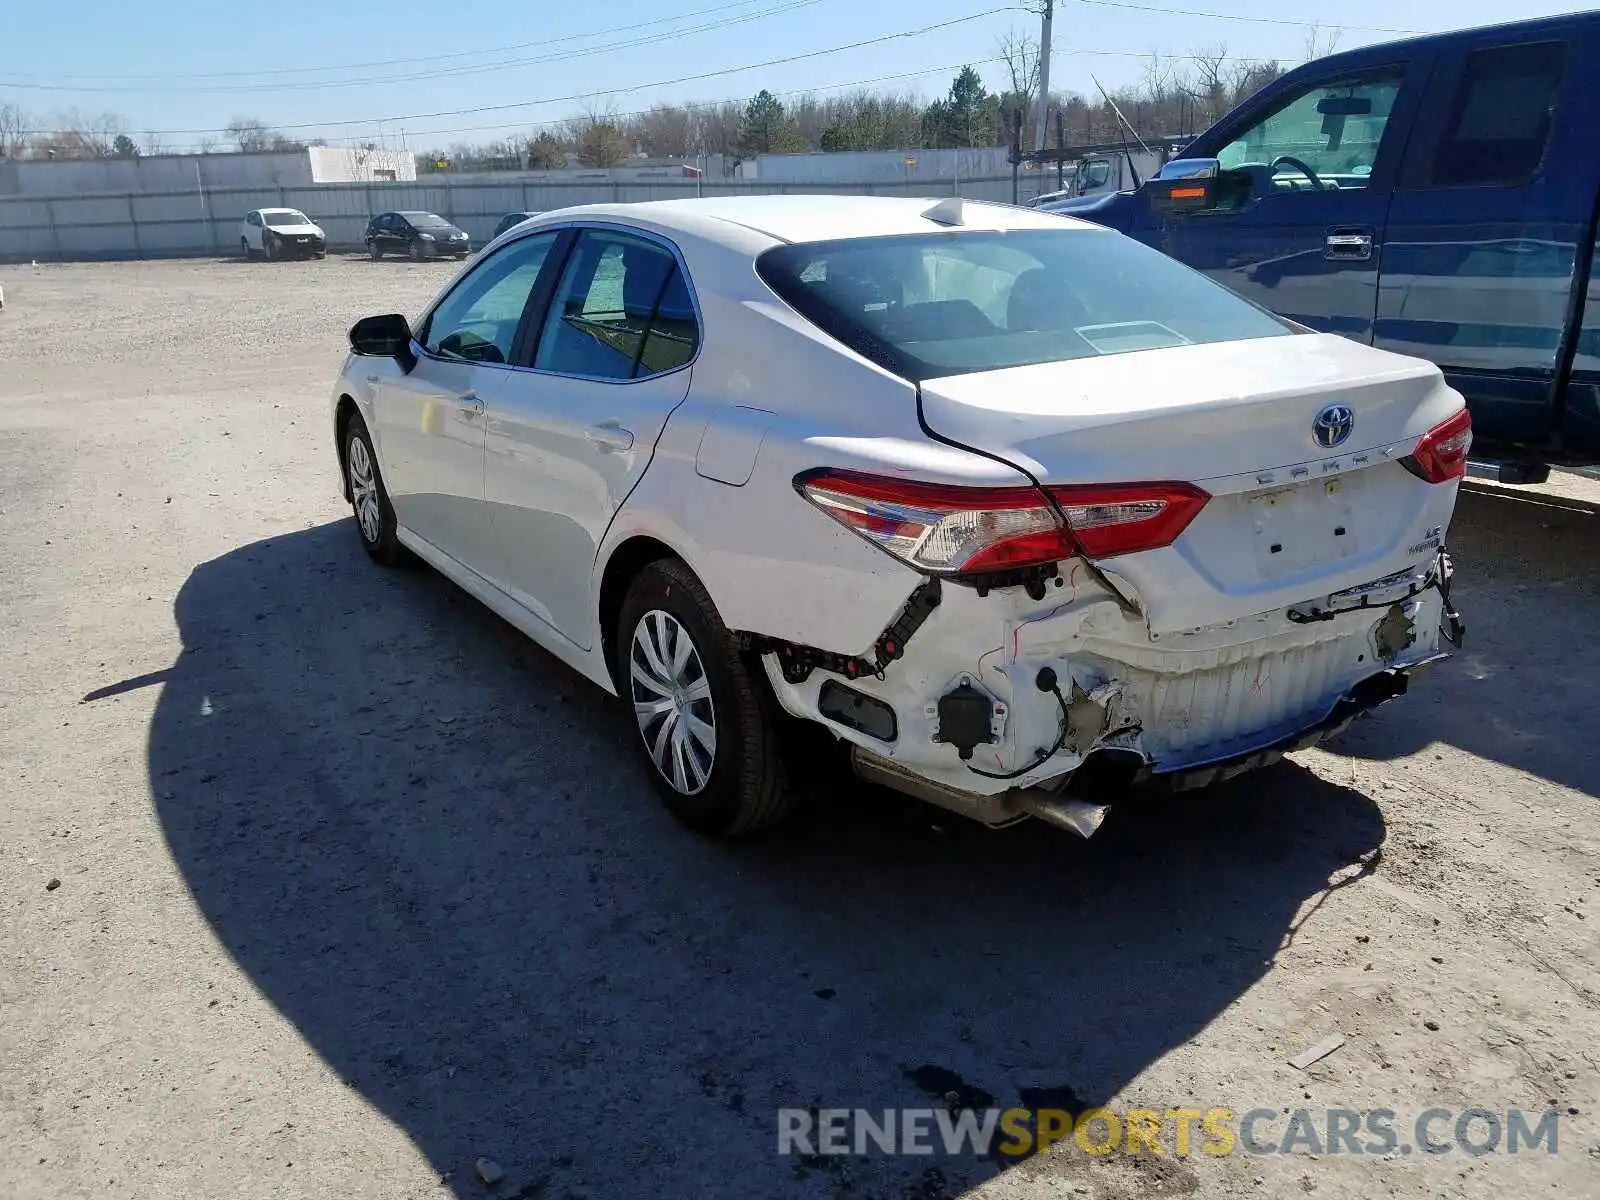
184, 67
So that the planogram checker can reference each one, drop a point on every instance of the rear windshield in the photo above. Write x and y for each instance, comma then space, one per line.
930, 305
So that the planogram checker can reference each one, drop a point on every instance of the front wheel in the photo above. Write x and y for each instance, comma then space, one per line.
270, 245
374, 251
416, 251
375, 519
706, 723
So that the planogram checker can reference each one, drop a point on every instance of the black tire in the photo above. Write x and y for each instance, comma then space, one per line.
270, 247
379, 537
416, 251
249, 254
746, 788
374, 251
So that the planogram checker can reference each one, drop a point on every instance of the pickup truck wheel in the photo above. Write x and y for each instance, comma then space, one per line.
706, 723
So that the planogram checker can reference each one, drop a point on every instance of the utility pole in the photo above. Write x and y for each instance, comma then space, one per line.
1044, 75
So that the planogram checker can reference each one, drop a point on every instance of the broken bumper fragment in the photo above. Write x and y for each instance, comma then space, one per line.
992, 695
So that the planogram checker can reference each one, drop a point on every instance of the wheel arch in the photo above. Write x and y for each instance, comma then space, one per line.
627, 559
342, 415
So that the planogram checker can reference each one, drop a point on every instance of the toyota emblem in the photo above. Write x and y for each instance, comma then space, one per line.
1333, 426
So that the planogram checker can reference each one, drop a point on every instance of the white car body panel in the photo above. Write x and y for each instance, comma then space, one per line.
1190, 650
562, 455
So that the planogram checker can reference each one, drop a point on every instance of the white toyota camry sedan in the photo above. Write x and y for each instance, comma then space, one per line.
995, 497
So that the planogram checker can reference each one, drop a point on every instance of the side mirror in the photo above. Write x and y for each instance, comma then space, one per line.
1185, 185
1196, 185
388, 336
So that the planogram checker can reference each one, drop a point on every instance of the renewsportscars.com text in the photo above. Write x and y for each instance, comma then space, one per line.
1019, 1132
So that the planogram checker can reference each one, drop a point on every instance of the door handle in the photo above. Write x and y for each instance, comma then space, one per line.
1351, 245
471, 404
610, 435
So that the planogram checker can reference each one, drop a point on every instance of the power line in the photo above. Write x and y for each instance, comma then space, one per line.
397, 62
1216, 16
695, 105
444, 72
527, 126
576, 97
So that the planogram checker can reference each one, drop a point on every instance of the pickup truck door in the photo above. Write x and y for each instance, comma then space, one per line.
1490, 225
1304, 240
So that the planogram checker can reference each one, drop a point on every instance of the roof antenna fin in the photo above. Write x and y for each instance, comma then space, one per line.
947, 212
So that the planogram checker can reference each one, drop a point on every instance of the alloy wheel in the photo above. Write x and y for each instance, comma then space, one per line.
672, 701
364, 491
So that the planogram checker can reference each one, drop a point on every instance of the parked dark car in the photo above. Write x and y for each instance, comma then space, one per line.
419, 234
510, 220
1438, 197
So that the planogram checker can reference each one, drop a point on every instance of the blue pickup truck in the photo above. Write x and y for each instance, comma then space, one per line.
1436, 196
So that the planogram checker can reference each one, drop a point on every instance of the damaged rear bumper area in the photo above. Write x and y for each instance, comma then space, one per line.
990, 703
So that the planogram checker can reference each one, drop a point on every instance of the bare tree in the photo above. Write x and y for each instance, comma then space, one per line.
598, 139
1019, 56
249, 134
206, 145
153, 143
664, 131
15, 131
1321, 42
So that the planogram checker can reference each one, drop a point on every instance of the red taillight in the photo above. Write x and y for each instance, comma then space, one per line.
965, 530
1441, 453
1124, 518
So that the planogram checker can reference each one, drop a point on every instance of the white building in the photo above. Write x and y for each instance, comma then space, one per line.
338, 164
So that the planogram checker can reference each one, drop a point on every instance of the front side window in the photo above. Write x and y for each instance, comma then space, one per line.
928, 305
253, 218
477, 322
1501, 116
1325, 137
621, 311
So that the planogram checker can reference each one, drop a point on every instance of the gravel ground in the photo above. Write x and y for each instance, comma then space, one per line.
356, 886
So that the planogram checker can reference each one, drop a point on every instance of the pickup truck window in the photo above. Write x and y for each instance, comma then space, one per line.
1500, 117
1324, 137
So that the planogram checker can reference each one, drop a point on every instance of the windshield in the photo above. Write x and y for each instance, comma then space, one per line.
929, 305
426, 221
284, 216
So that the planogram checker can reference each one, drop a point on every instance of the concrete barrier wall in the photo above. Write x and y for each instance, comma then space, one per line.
193, 223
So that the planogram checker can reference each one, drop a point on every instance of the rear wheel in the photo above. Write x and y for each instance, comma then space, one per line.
706, 723
244, 244
374, 251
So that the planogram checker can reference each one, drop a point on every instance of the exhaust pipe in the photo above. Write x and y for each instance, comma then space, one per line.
1064, 812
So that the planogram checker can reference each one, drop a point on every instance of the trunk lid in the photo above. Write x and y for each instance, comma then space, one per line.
1290, 520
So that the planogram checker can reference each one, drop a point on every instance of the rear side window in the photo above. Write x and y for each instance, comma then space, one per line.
929, 305
1500, 117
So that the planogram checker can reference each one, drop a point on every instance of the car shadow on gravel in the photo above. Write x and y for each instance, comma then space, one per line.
432, 848
1524, 689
